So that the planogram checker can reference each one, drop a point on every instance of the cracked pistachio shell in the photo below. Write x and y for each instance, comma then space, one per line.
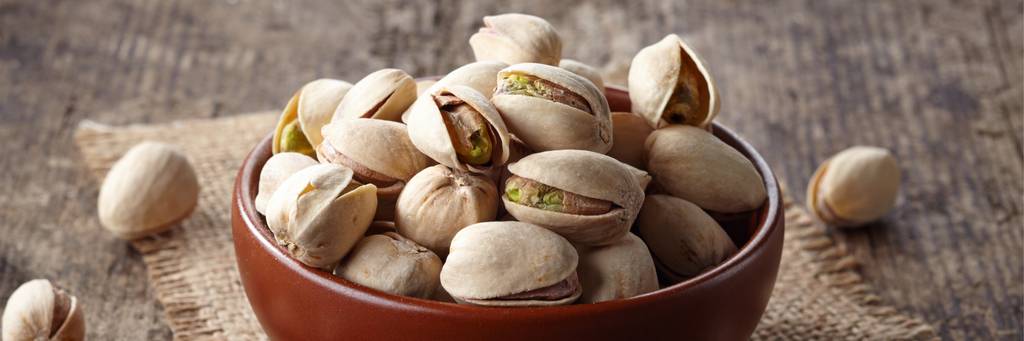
495, 259
629, 133
681, 236
383, 95
855, 187
276, 171
439, 202
149, 190
588, 174
312, 106
585, 71
655, 75
430, 134
481, 76
37, 310
618, 270
544, 125
315, 219
641, 175
421, 87
692, 164
391, 263
517, 38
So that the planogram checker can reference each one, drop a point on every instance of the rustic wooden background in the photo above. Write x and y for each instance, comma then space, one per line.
937, 82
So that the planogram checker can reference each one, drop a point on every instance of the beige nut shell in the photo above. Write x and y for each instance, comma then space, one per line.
317, 102
585, 173
277, 169
692, 164
312, 218
392, 87
619, 270
383, 146
855, 187
547, 125
429, 133
629, 132
682, 236
439, 202
585, 71
29, 315
149, 190
391, 263
481, 76
495, 259
654, 74
517, 38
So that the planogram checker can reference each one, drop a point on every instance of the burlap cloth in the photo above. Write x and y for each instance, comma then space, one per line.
818, 295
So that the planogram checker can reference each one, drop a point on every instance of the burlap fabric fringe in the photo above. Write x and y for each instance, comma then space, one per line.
818, 295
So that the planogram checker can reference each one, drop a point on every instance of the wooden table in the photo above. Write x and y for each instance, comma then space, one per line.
937, 82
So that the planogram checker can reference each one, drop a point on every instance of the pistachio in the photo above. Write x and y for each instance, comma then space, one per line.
439, 202
149, 190
319, 213
38, 310
511, 264
421, 88
517, 38
855, 187
682, 237
310, 108
383, 95
618, 270
459, 128
690, 163
670, 84
549, 108
391, 263
481, 76
277, 169
583, 70
588, 198
629, 132
294, 140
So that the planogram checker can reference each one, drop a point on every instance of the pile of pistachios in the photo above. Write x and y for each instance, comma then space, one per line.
508, 182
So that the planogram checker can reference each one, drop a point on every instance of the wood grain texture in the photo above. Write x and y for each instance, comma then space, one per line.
937, 82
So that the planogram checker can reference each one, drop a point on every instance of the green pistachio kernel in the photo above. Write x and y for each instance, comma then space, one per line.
293, 140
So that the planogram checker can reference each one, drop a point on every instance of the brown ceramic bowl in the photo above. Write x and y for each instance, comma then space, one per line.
295, 302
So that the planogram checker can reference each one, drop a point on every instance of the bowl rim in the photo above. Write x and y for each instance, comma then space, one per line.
768, 215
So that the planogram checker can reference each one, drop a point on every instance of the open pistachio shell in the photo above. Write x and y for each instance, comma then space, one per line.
682, 236
317, 102
276, 171
629, 133
692, 164
585, 71
618, 270
434, 127
439, 202
38, 310
319, 214
383, 95
670, 84
421, 87
379, 152
517, 38
289, 130
522, 98
587, 174
496, 259
391, 263
855, 187
481, 76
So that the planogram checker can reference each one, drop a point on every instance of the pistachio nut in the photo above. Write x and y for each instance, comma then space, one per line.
38, 310
421, 87
277, 169
585, 71
379, 152
319, 213
549, 108
383, 95
310, 109
670, 84
459, 128
440, 201
855, 187
586, 197
641, 175
682, 237
690, 163
517, 38
618, 270
629, 133
511, 264
149, 190
391, 263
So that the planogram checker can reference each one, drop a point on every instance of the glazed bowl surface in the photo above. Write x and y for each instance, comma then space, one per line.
295, 302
